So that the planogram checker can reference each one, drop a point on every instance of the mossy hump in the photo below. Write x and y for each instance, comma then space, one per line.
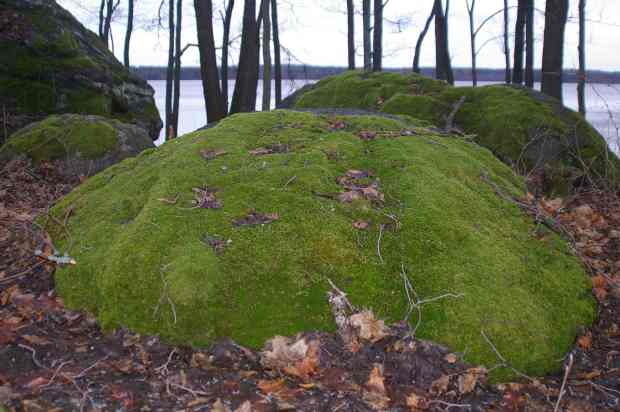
234, 232
524, 128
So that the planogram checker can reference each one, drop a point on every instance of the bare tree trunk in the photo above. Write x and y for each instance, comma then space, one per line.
214, 102
529, 45
418, 45
276, 52
443, 70
177, 70
367, 29
351, 33
225, 46
472, 40
581, 85
266, 56
377, 42
128, 32
517, 73
107, 22
244, 96
556, 14
506, 42
101, 18
170, 71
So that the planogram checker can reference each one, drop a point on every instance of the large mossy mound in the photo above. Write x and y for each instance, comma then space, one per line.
50, 63
84, 144
524, 128
149, 259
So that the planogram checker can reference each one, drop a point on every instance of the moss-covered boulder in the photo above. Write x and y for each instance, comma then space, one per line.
83, 144
234, 232
50, 64
524, 128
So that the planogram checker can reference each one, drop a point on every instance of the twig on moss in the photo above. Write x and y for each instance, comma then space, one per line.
381, 227
504, 363
569, 366
289, 181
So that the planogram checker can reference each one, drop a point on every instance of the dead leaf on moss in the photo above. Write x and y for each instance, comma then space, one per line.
255, 218
205, 198
367, 135
294, 357
349, 196
368, 327
211, 154
274, 148
337, 125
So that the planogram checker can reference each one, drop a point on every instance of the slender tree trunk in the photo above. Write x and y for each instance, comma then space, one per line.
244, 96
101, 18
377, 42
367, 29
170, 71
276, 52
214, 102
529, 45
506, 42
107, 22
556, 13
472, 40
128, 32
266, 56
225, 46
418, 45
351, 33
442, 56
517, 73
177, 70
581, 85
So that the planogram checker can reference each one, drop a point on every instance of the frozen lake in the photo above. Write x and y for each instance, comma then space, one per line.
603, 104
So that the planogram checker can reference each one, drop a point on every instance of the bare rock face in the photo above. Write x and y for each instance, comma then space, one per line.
51, 64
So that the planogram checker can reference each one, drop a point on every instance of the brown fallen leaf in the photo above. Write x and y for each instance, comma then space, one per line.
367, 135
255, 218
440, 386
376, 380
416, 402
368, 327
294, 357
349, 196
244, 407
600, 294
468, 380
219, 406
211, 154
585, 341
271, 387
35, 340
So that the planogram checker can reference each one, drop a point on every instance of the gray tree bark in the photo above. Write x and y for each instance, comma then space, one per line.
277, 59
377, 41
244, 95
128, 32
581, 85
351, 33
366, 37
517, 71
418, 45
266, 56
529, 45
556, 14
224, 62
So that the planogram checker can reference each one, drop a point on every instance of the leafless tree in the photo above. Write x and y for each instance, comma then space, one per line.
174, 117
366, 11
443, 66
266, 55
506, 42
170, 72
517, 72
215, 102
227, 19
244, 95
377, 41
276, 52
418, 45
128, 31
556, 14
351, 33
581, 85
529, 45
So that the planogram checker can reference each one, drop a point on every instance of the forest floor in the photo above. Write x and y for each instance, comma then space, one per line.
52, 358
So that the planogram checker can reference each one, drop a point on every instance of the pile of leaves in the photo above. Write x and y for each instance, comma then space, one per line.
52, 358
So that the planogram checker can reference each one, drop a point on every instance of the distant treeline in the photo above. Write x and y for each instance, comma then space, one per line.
297, 72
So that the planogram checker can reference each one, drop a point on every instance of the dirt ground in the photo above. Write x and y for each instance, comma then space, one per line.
52, 358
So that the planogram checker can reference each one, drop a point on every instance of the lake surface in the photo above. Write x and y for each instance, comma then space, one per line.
602, 100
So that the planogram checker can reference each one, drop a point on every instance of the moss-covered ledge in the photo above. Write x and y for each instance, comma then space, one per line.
233, 232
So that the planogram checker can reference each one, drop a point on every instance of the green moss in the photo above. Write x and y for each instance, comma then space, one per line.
365, 90
525, 129
456, 235
88, 101
60, 136
422, 107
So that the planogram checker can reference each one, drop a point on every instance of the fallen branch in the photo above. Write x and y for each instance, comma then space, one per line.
569, 366
34, 355
450, 119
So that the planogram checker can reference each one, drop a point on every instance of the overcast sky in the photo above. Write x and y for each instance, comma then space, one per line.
315, 32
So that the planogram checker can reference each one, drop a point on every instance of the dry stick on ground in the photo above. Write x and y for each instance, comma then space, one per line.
449, 405
34, 355
569, 366
504, 363
20, 274
450, 119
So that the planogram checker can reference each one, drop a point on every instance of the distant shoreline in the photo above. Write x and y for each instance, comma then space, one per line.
302, 72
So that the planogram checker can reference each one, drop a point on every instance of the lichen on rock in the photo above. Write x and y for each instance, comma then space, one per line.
354, 199
51, 64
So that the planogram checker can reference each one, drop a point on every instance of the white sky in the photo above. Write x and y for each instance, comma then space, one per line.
315, 32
